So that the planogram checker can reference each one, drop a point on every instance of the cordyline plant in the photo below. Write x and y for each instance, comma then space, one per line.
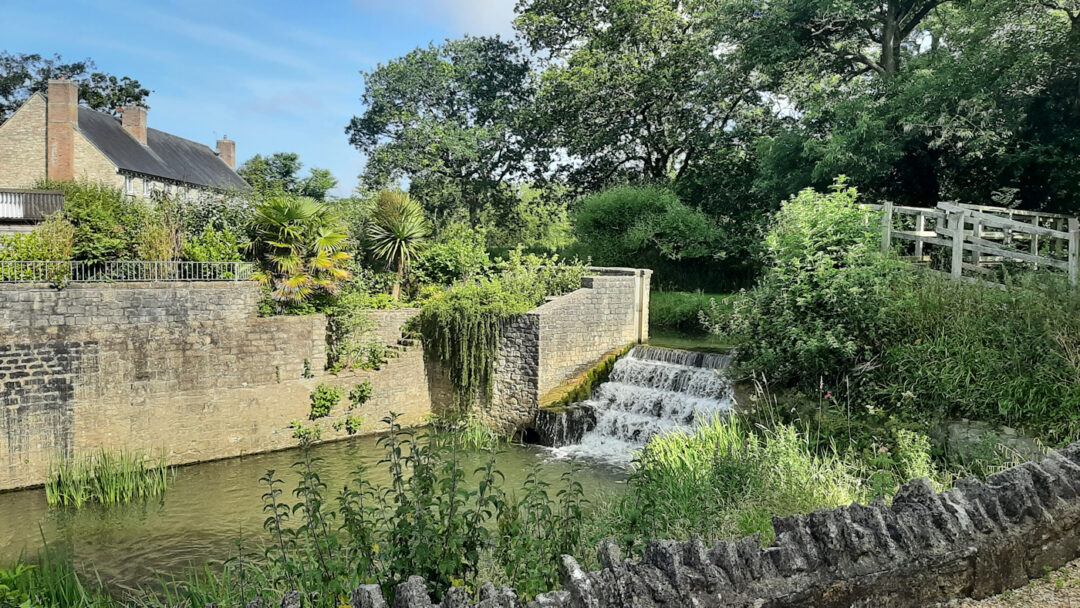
299, 242
396, 233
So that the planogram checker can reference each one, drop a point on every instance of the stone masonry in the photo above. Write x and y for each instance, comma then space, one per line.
187, 369
975, 540
553, 343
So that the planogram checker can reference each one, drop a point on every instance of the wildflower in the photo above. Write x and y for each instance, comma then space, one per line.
828, 394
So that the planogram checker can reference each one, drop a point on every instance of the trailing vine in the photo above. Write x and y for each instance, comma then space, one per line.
464, 326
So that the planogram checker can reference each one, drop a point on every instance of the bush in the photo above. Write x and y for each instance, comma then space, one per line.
821, 309
213, 245
832, 313
323, 400
52, 241
107, 224
459, 254
624, 222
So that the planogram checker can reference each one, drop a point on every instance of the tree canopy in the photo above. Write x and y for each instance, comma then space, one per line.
452, 119
22, 75
280, 173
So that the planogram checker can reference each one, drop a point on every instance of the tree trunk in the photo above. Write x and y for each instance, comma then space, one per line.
890, 39
396, 291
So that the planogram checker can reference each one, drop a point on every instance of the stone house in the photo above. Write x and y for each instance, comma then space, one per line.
53, 137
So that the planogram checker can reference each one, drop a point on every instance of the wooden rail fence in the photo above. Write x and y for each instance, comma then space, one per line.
978, 239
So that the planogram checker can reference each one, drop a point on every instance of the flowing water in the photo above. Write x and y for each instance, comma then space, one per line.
209, 506
651, 390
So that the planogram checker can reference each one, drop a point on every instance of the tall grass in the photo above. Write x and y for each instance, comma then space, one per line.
108, 478
50, 582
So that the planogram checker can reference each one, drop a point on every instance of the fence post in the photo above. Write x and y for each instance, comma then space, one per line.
886, 225
920, 226
1074, 251
957, 220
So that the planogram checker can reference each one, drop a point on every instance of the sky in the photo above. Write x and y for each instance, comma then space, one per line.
274, 76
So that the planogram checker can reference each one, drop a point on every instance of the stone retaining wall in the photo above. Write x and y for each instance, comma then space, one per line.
557, 341
975, 540
187, 369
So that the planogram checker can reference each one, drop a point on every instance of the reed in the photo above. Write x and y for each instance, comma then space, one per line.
108, 478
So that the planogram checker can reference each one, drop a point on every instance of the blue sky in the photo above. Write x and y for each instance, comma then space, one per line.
276, 76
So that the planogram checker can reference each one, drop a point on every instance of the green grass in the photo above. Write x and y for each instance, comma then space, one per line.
107, 478
681, 309
673, 338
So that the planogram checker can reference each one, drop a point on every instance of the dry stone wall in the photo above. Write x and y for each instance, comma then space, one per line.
975, 540
187, 369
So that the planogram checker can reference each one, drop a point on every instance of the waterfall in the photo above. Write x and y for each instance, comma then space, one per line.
650, 390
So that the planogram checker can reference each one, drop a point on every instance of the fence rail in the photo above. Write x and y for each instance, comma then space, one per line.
122, 272
979, 239
29, 205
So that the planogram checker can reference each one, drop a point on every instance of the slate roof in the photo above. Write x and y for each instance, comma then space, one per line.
164, 155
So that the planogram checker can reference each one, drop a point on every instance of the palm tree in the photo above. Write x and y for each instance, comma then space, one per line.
298, 242
396, 232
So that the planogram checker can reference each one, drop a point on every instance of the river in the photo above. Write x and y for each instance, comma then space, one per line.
209, 506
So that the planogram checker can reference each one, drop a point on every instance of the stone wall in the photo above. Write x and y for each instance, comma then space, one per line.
22, 145
975, 540
187, 369
554, 343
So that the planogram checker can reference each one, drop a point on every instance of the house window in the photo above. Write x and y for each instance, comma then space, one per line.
129, 185
145, 187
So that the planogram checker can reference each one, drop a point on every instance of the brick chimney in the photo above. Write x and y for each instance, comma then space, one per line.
62, 113
226, 149
133, 119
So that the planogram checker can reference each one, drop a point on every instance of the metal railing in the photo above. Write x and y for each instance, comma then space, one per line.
29, 205
123, 272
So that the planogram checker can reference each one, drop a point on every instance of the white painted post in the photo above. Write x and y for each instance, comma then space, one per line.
920, 226
886, 225
957, 268
1074, 251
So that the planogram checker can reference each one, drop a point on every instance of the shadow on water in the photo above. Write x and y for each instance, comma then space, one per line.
209, 506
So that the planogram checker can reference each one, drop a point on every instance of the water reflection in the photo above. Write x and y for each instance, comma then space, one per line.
209, 506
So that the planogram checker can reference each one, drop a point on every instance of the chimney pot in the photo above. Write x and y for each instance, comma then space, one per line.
133, 119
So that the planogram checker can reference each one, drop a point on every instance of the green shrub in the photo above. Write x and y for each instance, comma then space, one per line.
107, 225
323, 400
821, 308
459, 254
360, 394
213, 246
52, 241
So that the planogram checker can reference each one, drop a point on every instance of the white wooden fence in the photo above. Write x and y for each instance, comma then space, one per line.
980, 239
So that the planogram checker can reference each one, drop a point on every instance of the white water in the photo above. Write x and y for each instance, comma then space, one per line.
651, 390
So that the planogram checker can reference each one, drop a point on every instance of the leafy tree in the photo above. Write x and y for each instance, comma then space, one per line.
280, 173
396, 232
22, 75
299, 243
645, 226
453, 120
635, 90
